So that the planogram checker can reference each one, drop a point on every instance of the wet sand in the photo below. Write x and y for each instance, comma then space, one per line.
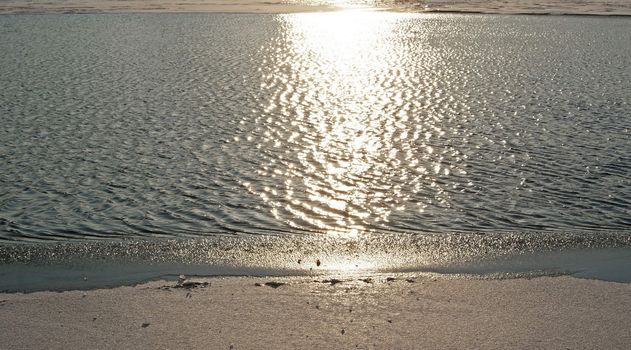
532, 7
108, 6
403, 312
555, 7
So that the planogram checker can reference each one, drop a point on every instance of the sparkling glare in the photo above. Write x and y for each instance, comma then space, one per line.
351, 123
341, 104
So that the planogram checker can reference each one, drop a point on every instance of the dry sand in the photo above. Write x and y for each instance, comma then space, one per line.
422, 312
593, 7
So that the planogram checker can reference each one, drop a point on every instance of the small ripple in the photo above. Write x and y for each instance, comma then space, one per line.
353, 121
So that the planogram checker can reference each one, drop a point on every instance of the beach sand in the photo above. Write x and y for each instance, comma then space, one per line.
585, 7
407, 312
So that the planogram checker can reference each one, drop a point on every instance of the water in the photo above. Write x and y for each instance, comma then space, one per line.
372, 127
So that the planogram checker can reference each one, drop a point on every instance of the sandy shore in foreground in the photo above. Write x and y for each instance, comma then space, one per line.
585, 7
409, 312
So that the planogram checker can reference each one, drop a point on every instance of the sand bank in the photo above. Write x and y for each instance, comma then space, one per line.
96, 6
584, 7
534, 7
403, 313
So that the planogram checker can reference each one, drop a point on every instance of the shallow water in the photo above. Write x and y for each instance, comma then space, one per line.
370, 126
200, 124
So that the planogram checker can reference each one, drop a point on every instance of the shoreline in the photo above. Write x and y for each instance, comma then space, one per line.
27, 267
404, 311
528, 8
603, 265
393, 10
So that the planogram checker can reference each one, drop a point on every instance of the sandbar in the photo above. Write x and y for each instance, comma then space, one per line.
552, 7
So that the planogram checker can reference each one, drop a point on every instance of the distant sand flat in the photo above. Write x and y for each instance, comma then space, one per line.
589, 7
403, 312
92, 6
554, 7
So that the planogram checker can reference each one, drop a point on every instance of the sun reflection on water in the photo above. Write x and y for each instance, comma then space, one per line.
342, 153
342, 4
350, 141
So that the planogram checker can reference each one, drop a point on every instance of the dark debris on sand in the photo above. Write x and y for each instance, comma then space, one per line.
188, 285
145, 325
333, 281
274, 284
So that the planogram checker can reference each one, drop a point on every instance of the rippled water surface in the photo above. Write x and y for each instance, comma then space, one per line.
342, 124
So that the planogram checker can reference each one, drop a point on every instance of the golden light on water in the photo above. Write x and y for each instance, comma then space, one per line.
342, 4
349, 47
339, 113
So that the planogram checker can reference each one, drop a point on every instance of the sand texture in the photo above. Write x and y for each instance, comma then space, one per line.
591, 7
552, 7
409, 312
95, 6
